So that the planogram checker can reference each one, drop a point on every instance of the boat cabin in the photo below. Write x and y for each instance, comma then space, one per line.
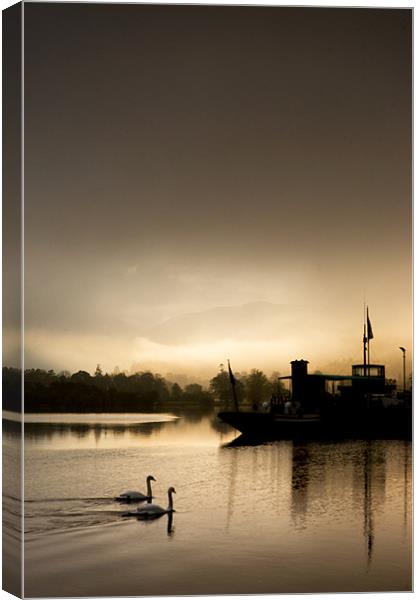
312, 391
369, 371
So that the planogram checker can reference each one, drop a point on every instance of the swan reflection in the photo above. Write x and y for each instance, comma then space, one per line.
170, 529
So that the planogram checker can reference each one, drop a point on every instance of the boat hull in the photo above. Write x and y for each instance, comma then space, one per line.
393, 424
269, 426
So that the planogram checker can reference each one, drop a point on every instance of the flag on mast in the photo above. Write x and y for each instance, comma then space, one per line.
370, 334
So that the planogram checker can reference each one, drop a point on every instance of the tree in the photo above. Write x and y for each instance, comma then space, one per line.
193, 389
220, 386
66, 374
257, 387
221, 390
81, 377
278, 387
176, 392
194, 393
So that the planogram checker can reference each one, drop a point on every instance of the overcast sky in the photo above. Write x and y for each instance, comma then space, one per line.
206, 183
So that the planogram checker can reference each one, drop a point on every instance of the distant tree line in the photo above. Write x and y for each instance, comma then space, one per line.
48, 391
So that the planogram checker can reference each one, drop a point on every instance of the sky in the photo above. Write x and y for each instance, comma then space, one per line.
204, 183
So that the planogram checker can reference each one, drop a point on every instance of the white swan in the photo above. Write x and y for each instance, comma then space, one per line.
151, 511
131, 496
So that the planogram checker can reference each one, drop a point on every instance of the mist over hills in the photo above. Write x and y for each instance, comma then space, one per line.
263, 335
252, 321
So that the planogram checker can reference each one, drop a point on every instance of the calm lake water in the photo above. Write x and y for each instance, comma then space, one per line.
279, 517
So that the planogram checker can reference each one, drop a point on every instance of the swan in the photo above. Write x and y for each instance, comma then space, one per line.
151, 511
137, 496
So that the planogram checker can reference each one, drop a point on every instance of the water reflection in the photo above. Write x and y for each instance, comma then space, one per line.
407, 447
339, 512
113, 430
231, 488
170, 529
299, 483
12, 507
328, 480
368, 502
34, 431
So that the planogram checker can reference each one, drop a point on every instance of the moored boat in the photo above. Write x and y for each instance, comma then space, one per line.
361, 405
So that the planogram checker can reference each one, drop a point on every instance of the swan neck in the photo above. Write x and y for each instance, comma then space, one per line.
149, 488
170, 507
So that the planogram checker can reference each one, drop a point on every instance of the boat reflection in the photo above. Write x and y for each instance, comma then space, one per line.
299, 484
244, 440
326, 478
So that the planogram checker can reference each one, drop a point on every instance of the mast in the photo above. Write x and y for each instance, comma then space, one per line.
233, 386
370, 335
364, 341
